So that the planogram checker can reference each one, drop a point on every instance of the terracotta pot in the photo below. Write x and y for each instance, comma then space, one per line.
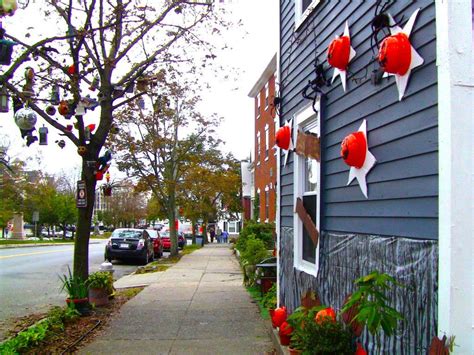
294, 351
98, 296
284, 340
80, 304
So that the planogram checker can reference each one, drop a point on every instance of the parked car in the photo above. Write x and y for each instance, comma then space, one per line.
165, 238
129, 243
157, 243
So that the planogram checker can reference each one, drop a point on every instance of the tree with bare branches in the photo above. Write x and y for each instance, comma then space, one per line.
103, 55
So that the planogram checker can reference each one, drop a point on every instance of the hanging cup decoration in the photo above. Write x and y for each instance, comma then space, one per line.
340, 53
356, 154
71, 69
82, 150
63, 108
396, 54
61, 143
88, 130
95, 84
55, 95
354, 149
50, 110
6, 49
25, 119
43, 135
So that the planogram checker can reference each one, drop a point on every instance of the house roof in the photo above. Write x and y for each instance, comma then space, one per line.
264, 77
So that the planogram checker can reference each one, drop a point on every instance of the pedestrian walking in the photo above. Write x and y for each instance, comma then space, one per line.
212, 233
219, 235
224, 236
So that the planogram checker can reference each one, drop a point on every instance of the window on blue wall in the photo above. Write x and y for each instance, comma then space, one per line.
302, 10
307, 177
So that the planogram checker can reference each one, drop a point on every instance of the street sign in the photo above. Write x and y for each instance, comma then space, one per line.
81, 196
35, 217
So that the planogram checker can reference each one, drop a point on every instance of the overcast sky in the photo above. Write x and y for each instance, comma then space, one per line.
250, 54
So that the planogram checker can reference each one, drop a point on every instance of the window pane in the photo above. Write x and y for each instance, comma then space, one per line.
309, 250
311, 175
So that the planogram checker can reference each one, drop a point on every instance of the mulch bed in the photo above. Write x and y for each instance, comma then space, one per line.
77, 333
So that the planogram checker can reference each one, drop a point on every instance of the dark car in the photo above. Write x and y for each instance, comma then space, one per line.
129, 243
165, 238
157, 243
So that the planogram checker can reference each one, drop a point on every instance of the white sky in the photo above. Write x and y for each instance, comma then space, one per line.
249, 54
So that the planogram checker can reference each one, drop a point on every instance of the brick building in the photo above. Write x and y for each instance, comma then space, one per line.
265, 162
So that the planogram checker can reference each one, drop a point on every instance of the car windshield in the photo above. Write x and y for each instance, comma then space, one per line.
152, 233
165, 234
126, 233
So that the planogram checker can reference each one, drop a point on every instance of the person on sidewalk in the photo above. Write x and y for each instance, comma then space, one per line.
219, 235
224, 236
212, 234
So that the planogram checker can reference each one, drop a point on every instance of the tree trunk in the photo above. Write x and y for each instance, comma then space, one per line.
84, 222
172, 218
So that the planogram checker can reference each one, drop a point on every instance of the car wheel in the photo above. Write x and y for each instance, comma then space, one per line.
108, 258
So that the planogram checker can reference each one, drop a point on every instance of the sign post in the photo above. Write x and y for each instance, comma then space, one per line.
35, 219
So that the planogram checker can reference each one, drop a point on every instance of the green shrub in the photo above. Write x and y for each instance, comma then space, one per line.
269, 300
100, 279
255, 251
262, 231
327, 338
74, 286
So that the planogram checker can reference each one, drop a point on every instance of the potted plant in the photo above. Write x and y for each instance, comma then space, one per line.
77, 292
269, 300
100, 285
368, 305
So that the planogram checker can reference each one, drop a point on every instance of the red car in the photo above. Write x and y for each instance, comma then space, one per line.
157, 242
165, 238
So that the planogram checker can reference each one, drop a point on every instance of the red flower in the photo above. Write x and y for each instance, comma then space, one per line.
279, 316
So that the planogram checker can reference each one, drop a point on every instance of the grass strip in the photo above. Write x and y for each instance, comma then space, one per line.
16, 242
254, 292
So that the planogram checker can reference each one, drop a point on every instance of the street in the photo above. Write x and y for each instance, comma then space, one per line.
29, 277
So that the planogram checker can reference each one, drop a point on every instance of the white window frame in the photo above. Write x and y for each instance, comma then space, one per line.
267, 141
276, 121
259, 148
267, 95
300, 15
302, 119
258, 105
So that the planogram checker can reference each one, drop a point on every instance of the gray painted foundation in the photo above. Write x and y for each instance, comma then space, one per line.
345, 257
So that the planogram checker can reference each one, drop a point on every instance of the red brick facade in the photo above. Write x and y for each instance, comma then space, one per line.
265, 163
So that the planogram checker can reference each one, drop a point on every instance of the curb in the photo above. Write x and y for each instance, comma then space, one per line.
280, 349
9, 246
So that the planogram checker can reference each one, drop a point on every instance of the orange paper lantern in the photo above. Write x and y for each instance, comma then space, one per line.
327, 314
282, 137
354, 149
395, 54
63, 108
338, 52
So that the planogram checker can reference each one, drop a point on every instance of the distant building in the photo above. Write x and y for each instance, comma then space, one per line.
265, 164
247, 187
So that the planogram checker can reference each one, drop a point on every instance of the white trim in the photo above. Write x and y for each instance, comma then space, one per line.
301, 16
456, 168
278, 171
302, 118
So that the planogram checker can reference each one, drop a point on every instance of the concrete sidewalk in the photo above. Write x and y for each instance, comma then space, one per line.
198, 306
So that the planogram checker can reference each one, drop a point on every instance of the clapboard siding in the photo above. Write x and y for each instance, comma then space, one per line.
403, 135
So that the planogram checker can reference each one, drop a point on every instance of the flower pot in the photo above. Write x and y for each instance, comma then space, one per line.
294, 351
284, 339
98, 296
80, 304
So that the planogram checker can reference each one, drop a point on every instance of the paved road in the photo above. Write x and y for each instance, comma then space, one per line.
29, 277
